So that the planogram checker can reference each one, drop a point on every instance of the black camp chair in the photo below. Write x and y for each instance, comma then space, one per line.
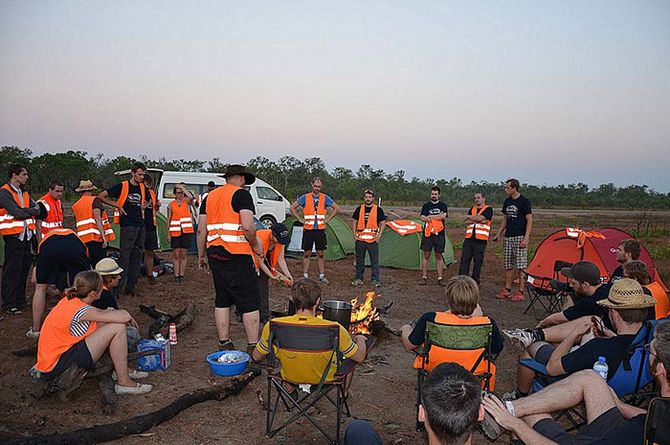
548, 293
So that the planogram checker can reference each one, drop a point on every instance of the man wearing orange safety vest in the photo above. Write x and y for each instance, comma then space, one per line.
433, 214
93, 226
17, 227
226, 244
131, 200
368, 224
315, 218
52, 202
477, 234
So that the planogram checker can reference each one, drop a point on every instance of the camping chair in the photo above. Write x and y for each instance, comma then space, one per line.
544, 291
628, 380
315, 340
459, 338
657, 425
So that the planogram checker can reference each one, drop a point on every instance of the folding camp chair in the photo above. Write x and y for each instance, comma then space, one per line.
461, 338
657, 425
308, 339
546, 292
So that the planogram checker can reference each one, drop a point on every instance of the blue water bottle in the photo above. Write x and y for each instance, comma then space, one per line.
601, 367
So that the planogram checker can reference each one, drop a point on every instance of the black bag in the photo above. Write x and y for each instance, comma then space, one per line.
657, 424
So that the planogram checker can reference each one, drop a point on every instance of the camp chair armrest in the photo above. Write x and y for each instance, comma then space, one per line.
534, 365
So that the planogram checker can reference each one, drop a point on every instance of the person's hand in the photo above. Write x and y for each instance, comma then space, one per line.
582, 328
122, 210
378, 236
104, 243
133, 323
524, 243
203, 263
498, 410
478, 312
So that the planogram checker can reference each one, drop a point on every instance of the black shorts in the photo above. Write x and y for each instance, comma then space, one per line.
182, 241
604, 424
151, 240
59, 255
235, 282
311, 238
77, 354
433, 242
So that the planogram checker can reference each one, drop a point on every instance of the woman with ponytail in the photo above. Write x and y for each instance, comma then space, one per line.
75, 332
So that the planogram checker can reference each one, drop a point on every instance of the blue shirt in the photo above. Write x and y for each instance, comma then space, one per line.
303, 199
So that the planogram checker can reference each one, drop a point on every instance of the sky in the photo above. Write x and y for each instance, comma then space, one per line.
549, 92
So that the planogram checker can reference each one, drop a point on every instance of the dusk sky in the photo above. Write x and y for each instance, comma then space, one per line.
548, 91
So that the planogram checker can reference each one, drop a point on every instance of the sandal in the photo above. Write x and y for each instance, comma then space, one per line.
139, 388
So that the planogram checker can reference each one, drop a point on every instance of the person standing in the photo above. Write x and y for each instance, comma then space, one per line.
130, 202
52, 202
151, 238
180, 231
93, 226
273, 264
477, 234
226, 244
433, 214
368, 225
517, 224
315, 218
17, 227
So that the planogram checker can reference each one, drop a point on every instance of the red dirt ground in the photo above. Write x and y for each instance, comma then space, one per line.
383, 390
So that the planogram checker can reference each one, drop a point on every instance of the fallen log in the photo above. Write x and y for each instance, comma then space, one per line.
140, 424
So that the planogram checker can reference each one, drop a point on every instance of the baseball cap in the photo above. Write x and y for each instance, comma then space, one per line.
584, 272
281, 233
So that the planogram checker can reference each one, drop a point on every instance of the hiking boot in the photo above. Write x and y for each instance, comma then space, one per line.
357, 282
32, 334
226, 345
503, 294
440, 282
423, 281
324, 280
14, 311
376, 283
518, 296
521, 335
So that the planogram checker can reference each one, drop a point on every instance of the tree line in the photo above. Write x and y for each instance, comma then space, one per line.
291, 177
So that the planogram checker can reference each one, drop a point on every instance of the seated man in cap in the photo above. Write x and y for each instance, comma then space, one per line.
626, 307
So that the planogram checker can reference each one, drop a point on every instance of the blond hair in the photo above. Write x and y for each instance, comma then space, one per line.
84, 283
462, 295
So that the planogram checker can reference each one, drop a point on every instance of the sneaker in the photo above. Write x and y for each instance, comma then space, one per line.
518, 296
357, 282
139, 388
14, 311
376, 283
226, 345
324, 280
423, 281
509, 396
503, 294
32, 334
521, 335
440, 282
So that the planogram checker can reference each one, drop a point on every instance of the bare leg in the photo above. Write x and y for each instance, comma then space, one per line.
183, 261
251, 321
112, 336
39, 305
424, 263
522, 281
509, 277
305, 262
439, 264
149, 262
222, 319
321, 262
175, 262
524, 376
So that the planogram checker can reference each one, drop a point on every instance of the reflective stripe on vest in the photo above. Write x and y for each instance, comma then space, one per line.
224, 226
482, 230
54, 217
87, 229
125, 187
180, 218
404, 227
13, 226
433, 227
314, 217
367, 232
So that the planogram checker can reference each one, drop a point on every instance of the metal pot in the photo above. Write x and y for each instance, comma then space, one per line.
336, 310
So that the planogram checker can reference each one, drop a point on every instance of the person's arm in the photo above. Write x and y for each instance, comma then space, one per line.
501, 229
334, 209
169, 218
104, 197
382, 225
94, 314
282, 264
249, 229
7, 202
266, 270
360, 354
294, 211
202, 241
97, 216
529, 226
412, 338
505, 419
555, 364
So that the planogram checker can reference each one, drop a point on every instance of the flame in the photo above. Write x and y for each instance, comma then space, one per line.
363, 314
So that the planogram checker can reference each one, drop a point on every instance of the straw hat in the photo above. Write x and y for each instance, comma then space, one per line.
627, 294
85, 186
107, 266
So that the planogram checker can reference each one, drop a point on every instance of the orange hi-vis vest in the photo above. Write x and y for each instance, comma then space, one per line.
367, 232
87, 229
433, 227
125, 186
55, 336
404, 226
152, 196
13, 226
662, 306
181, 220
224, 226
57, 232
482, 229
54, 217
272, 255
464, 357
314, 219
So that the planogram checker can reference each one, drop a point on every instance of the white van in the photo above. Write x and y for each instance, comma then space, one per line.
271, 206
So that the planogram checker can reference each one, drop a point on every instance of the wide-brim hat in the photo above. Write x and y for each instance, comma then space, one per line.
627, 294
240, 170
85, 186
107, 266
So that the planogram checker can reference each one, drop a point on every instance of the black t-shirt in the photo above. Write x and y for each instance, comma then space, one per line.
588, 306
106, 300
435, 208
149, 214
516, 211
617, 274
380, 214
132, 206
242, 200
586, 355
630, 433
488, 214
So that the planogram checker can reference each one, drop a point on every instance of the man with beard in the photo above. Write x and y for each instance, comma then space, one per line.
433, 214
368, 225
627, 251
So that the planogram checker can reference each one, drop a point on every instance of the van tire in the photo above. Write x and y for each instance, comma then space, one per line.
268, 221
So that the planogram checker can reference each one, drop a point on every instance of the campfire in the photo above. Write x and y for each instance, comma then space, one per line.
363, 315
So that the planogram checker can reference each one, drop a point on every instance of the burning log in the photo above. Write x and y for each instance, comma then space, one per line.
362, 315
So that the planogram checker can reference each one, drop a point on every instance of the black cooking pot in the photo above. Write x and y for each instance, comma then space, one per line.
336, 310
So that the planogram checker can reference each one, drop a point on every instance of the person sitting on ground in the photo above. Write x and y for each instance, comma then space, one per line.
610, 421
462, 296
628, 250
627, 308
451, 404
76, 333
308, 367
110, 272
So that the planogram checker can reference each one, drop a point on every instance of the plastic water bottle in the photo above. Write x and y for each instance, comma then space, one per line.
601, 367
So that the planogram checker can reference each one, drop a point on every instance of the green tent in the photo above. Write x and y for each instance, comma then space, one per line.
339, 237
404, 252
163, 242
